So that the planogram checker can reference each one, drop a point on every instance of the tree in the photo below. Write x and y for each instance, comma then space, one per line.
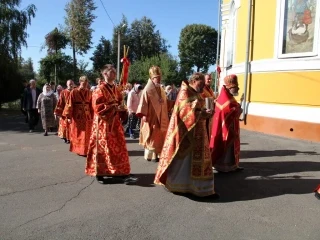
64, 67
145, 41
102, 54
142, 38
139, 70
26, 69
55, 41
197, 47
124, 30
13, 35
78, 27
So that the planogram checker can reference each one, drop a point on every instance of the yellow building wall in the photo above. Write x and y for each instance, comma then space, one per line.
262, 32
292, 88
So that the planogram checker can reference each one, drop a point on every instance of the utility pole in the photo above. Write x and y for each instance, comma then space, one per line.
118, 60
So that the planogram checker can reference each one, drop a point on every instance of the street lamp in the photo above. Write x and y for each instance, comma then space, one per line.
118, 62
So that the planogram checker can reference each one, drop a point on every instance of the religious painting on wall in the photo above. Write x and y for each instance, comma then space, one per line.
300, 27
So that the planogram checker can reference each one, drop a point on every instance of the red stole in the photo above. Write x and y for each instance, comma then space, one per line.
225, 127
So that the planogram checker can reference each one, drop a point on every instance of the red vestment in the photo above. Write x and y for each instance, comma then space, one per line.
225, 133
79, 110
187, 139
64, 126
107, 153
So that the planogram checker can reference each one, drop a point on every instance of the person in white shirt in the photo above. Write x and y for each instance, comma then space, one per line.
132, 105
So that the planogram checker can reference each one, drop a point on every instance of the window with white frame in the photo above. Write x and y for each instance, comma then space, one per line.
231, 34
299, 28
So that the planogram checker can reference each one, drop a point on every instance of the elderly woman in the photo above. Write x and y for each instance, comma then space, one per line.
46, 104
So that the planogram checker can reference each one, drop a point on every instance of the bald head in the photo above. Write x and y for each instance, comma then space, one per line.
70, 84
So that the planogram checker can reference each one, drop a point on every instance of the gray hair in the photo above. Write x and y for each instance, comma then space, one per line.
32, 80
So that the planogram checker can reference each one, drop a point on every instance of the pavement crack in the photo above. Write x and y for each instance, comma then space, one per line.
57, 210
37, 188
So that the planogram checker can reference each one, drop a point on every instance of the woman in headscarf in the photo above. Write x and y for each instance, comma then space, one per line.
46, 104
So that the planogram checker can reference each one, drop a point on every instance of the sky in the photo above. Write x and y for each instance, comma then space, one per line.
169, 16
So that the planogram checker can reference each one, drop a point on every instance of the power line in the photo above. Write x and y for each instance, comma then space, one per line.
107, 13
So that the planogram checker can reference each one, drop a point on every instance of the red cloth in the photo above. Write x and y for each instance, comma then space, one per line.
107, 153
64, 126
225, 127
126, 64
79, 110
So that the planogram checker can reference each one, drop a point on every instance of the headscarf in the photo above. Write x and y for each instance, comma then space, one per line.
45, 92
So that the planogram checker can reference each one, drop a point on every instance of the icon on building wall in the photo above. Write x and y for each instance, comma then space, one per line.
299, 26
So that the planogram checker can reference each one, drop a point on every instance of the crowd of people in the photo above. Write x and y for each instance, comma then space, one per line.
178, 128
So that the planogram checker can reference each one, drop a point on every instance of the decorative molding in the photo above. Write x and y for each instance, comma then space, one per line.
278, 65
288, 112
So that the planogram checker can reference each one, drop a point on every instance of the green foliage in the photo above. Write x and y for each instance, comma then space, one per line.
124, 30
142, 38
13, 35
56, 40
78, 24
102, 55
26, 69
145, 40
64, 67
197, 47
139, 70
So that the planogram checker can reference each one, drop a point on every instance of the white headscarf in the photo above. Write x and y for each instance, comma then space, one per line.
44, 90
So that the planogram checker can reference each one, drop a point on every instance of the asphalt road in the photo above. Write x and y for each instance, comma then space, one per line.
44, 194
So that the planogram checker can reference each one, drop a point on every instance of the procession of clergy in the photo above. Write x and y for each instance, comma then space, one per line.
188, 140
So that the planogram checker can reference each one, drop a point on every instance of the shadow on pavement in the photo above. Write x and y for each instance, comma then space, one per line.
259, 180
136, 153
143, 180
132, 140
244, 154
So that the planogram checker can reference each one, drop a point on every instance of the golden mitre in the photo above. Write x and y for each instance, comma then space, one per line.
154, 71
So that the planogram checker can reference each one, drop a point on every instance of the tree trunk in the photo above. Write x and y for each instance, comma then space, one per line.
74, 62
198, 69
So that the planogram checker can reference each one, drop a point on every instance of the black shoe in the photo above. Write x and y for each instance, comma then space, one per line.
130, 179
215, 196
45, 134
317, 195
239, 169
100, 179
68, 142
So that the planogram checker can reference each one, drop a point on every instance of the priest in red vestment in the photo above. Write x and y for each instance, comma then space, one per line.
64, 126
185, 164
79, 113
225, 135
107, 154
